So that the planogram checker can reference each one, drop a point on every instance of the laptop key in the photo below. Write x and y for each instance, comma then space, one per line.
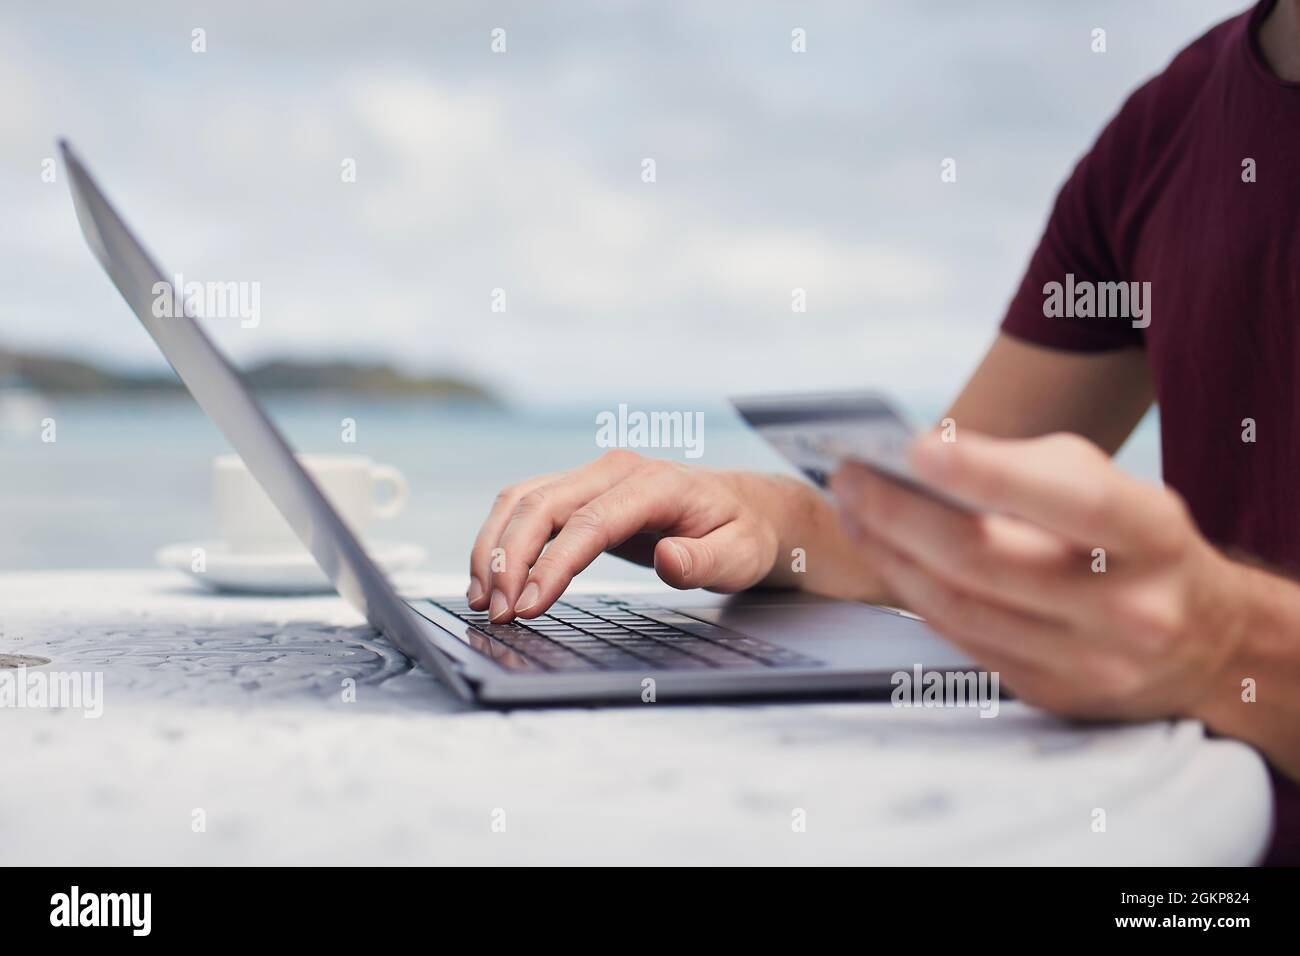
588, 633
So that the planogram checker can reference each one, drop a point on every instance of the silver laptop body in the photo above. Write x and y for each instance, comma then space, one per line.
750, 645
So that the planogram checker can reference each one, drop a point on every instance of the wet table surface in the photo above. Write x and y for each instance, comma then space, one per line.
229, 734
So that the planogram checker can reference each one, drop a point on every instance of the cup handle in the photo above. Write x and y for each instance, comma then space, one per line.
398, 494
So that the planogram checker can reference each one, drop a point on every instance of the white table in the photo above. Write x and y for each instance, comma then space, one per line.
233, 706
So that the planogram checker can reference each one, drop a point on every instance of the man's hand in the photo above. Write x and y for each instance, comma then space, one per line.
698, 528
1021, 586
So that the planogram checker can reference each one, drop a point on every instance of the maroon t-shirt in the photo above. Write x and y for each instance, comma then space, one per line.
1194, 188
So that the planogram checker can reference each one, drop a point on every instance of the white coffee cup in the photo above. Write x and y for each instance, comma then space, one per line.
248, 522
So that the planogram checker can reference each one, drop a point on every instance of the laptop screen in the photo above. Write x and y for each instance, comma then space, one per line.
217, 387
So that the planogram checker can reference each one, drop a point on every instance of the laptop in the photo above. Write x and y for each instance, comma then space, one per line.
593, 649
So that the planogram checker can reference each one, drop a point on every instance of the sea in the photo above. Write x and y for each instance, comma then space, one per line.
122, 478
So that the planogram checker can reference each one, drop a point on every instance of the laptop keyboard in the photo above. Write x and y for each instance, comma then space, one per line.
603, 633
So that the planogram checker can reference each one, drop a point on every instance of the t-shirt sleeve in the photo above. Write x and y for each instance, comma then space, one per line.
1080, 239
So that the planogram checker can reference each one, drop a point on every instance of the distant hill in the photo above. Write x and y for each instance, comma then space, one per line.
63, 376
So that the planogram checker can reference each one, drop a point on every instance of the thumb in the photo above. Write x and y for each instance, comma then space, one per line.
726, 559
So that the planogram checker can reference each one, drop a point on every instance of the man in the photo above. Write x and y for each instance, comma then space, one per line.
1191, 197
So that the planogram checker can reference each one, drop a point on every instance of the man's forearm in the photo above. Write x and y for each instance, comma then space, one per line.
1256, 697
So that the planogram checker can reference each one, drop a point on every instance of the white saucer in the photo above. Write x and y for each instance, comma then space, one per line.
288, 572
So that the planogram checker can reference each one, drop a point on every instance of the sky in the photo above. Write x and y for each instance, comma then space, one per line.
523, 171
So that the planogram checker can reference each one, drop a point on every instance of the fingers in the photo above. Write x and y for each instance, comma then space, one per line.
1044, 663
538, 515
1061, 482
620, 503
650, 499
540, 500
1001, 558
981, 628
480, 560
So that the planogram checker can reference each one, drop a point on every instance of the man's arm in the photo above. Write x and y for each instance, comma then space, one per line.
1256, 696
1021, 390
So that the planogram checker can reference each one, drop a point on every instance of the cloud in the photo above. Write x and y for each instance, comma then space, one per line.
521, 171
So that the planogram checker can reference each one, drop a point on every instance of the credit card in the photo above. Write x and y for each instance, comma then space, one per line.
816, 432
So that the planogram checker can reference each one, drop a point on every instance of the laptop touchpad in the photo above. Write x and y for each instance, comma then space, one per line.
840, 633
